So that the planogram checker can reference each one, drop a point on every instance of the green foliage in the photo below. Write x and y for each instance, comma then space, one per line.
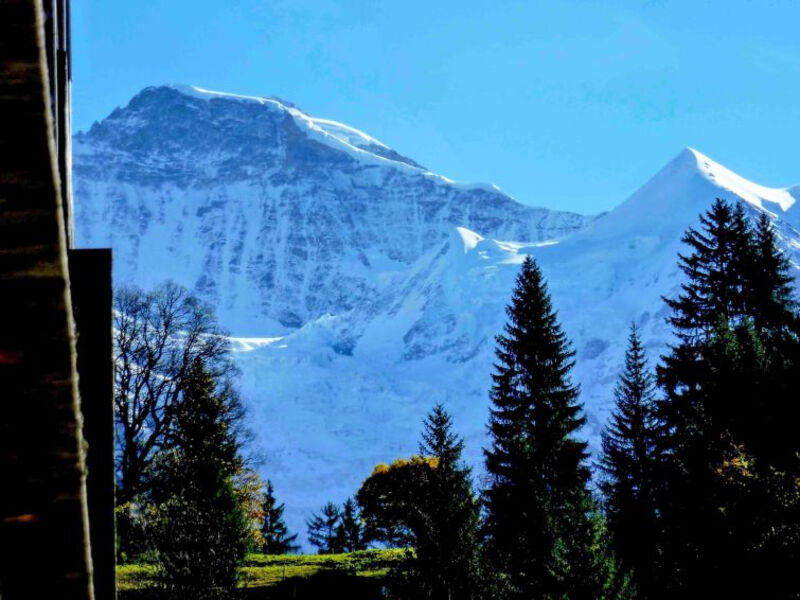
336, 530
445, 516
274, 533
630, 465
323, 530
536, 503
158, 335
770, 295
389, 495
195, 520
729, 391
350, 531
427, 502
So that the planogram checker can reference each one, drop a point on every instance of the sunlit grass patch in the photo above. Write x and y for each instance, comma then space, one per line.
135, 577
267, 571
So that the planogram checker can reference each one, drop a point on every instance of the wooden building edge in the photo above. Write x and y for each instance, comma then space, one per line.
56, 369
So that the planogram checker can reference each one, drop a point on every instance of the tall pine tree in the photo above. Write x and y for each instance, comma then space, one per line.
725, 388
538, 510
274, 533
695, 410
445, 522
350, 531
715, 270
770, 296
766, 427
196, 522
630, 466
323, 530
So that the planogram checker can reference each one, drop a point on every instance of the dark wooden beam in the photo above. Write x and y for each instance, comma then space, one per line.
90, 284
44, 542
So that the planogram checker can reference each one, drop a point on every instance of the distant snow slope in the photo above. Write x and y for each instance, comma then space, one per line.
429, 336
363, 288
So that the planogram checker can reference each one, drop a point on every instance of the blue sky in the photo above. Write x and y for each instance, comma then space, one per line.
566, 104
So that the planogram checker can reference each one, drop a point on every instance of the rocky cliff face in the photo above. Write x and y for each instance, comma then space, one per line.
272, 215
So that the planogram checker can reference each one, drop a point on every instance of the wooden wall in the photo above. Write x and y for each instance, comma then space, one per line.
44, 547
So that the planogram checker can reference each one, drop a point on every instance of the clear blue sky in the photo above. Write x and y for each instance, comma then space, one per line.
566, 104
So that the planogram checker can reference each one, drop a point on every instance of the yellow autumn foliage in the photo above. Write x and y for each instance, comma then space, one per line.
399, 463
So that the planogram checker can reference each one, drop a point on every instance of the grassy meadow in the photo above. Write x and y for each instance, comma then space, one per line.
357, 575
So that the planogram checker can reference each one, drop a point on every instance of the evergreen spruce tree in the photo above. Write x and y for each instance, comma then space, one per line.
715, 271
446, 520
766, 427
323, 530
196, 522
770, 296
589, 563
274, 533
537, 502
695, 411
630, 464
350, 531
725, 388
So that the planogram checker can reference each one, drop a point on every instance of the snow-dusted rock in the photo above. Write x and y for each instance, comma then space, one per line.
273, 215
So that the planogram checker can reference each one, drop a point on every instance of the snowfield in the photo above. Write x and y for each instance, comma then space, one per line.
360, 287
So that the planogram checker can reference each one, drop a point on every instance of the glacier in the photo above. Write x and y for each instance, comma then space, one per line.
360, 287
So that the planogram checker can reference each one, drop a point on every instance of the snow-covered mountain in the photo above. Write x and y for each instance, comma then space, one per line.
275, 216
363, 287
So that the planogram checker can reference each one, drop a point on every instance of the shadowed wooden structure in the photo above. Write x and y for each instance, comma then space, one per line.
45, 549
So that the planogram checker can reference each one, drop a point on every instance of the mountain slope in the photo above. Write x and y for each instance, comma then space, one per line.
375, 286
429, 336
272, 215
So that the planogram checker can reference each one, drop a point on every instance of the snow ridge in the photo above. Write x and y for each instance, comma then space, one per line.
759, 196
338, 135
274, 216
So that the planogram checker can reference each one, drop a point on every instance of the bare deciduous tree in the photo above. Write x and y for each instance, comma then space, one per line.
158, 335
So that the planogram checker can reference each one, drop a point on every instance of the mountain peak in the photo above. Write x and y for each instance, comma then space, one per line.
762, 197
692, 162
686, 185
308, 215
333, 133
205, 94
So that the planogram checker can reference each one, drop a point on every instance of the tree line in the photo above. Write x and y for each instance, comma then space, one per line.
697, 487
696, 491
188, 499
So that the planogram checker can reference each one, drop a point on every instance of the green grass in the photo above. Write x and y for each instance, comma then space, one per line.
356, 574
265, 570
134, 577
